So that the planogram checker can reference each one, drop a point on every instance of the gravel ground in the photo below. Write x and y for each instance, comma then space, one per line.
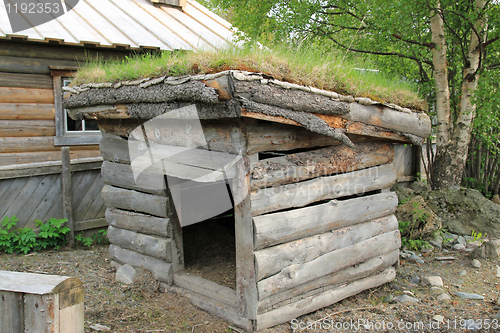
143, 307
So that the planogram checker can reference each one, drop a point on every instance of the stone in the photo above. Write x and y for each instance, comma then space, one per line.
497, 316
465, 295
420, 187
459, 247
125, 274
426, 248
478, 253
414, 257
389, 299
496, 199
464, 210
462, 272
436, 240
498, 271
404, 194
438, 318
436, 290
469, 238
415, 280
420, 261
476, 263
492, 248
409, 293
443, 297
423, 221
404, 255
405, 299
461, 240
448, 236
99, 327
435, 281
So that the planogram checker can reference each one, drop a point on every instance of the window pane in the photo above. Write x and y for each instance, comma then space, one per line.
91, 125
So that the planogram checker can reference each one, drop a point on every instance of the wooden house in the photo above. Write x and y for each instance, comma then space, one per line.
36, 63
310, 216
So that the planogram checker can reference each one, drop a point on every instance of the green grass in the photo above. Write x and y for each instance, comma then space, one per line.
304, 66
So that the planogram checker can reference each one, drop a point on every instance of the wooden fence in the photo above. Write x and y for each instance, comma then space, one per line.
34, 191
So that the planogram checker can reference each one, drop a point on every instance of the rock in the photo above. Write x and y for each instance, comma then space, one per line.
476, 263
459, 247
405, 299
436, 240
420, 261
498, 272
99, 327
415, 280
433, 281
462, 272
443, 297
496, 199
436, 290
464, 210
420, 187
464, 295
478, 253
404, 194
414, 257
426, 248
448, 236
404, 255
497, 316
423, 221
409, 293
469, 238
461, 240
492, 248
389, 299
438, 318
125, 274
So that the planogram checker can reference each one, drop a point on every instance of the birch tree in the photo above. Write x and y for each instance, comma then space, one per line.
446, 44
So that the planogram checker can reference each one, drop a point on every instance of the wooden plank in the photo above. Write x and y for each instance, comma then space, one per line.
161, 270
26, 95
152, 246
67, 194
71, 296
81, 182
71, 319
96, 210
121, 175
312, 303
51, 197
11, 194
324, 188
294, 275
138, 222
11, 312
33, 144
39, 157
90, 224
41, 81
223, 310
26, 111
276, 228
4, 185
91, 194
21, 198
136, 201
272, 260
27, 128
206, 288
31, 65
39, 284
36, 198
246, 283
325, 161
41, 313
330, 281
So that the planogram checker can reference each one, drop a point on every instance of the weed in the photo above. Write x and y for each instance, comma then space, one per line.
100, 237
406, 228
476, 236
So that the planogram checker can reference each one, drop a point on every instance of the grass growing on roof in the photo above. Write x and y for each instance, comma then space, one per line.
302, 66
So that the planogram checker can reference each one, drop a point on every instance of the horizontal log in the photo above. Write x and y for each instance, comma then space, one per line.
272, 260
114, 148
295, 275
27, 128
26, 95
309, 304
276, 228
121, 175
133, 200
161, 270
26, 111
40, 81
33, 144
325, 161
331, 281
153, 246
142, 223
119, 127
38, 157
324, 188
205, 287
31, 65
90, 224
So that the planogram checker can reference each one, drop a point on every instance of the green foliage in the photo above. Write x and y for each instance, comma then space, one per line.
99, 237
406, 228
476, 236
85, 241
24, 240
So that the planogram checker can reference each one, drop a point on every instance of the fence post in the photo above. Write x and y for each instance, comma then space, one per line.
66, 193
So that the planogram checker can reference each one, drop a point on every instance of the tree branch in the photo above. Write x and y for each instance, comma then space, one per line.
411, 41
490, 41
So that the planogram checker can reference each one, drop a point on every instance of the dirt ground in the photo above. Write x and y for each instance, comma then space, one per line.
143, 307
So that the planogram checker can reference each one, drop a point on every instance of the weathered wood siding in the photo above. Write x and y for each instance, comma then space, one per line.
40, 198
405, 162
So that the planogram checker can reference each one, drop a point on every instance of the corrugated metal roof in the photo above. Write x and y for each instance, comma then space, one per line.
130, 23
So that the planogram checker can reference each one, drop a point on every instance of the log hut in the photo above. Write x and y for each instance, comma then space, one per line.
36, 63
309, 175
